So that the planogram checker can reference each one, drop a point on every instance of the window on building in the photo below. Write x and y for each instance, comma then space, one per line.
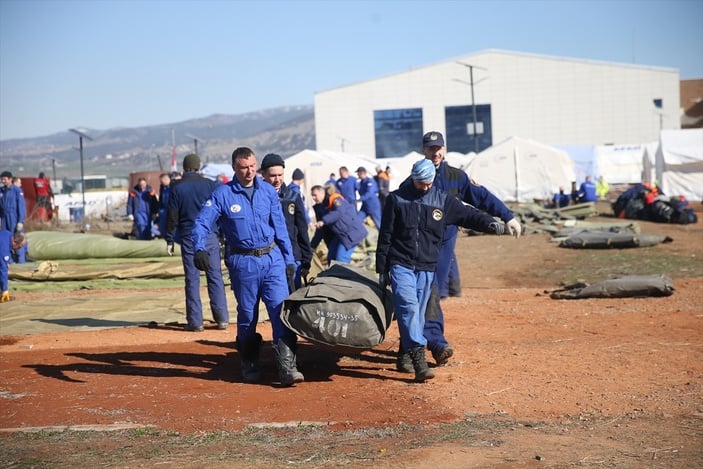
461, 136
397, 131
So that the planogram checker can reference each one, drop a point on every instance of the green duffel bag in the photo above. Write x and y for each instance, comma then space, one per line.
343, 308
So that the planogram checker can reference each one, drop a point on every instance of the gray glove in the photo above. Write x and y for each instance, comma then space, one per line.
202, 260
496, 228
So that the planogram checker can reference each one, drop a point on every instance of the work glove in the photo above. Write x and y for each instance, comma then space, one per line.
169, 249
496, 228
290, 277
384, 281
19, 227
514, 227
131, 217
305, 271
5, 297
202, 260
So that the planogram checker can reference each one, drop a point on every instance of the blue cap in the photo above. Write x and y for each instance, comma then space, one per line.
433, 139
423, 171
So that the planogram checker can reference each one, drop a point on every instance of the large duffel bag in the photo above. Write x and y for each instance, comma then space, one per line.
343, 308
624, 287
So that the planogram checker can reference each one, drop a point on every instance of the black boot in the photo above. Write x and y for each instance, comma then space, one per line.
403, 362
422, 371
249, 356
285, 361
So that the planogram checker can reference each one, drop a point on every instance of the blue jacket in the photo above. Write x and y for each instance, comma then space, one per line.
587, 192
413, 225
458, 184
143, 205
343, 221
246, 224
296, 222
12, 207
368, 193
5, 256
347, 187
186, 197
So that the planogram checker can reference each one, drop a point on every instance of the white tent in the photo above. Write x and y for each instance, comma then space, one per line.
521, 170
679, 163
622, 164
317, 166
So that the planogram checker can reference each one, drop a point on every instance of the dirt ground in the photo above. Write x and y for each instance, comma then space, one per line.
534, 382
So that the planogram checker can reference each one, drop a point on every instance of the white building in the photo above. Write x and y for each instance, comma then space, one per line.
553, 100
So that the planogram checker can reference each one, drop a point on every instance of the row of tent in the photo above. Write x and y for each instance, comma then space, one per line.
522, 170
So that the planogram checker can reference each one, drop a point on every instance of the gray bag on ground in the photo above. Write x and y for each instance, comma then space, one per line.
342, 308
623, 287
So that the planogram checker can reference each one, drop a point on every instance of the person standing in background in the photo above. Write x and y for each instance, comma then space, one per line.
368, 196
346, 186
45, 198
12, 212
142, 206
164, 190
602, 188
185, 200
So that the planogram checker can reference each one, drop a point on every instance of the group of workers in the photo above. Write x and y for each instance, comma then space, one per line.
263, 224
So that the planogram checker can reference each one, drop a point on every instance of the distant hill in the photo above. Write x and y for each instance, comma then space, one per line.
120, 151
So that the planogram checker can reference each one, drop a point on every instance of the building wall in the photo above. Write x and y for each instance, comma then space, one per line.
553, 100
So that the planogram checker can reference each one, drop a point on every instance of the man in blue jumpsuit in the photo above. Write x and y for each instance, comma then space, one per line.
457, 184
346, 186
12, 210
414, 219
587, 191
5, 258
294, 212
259, 259
142, 206
368, 194
164, 192
186, 197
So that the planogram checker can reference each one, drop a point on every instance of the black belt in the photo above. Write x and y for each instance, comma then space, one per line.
253, 252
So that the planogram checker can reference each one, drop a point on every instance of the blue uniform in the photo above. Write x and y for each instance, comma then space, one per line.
186, 197
409, 241
13, 211
164, 192
258, 250
346, 228
370, 203
587, 192
142, 205
5, 258
347, 187
456, 183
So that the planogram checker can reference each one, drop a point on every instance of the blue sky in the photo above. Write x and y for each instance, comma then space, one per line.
128, 63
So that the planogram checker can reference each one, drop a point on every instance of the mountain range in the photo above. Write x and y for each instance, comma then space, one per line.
119, 151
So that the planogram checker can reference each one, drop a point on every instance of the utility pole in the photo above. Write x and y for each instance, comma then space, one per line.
473, 102
81, 136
